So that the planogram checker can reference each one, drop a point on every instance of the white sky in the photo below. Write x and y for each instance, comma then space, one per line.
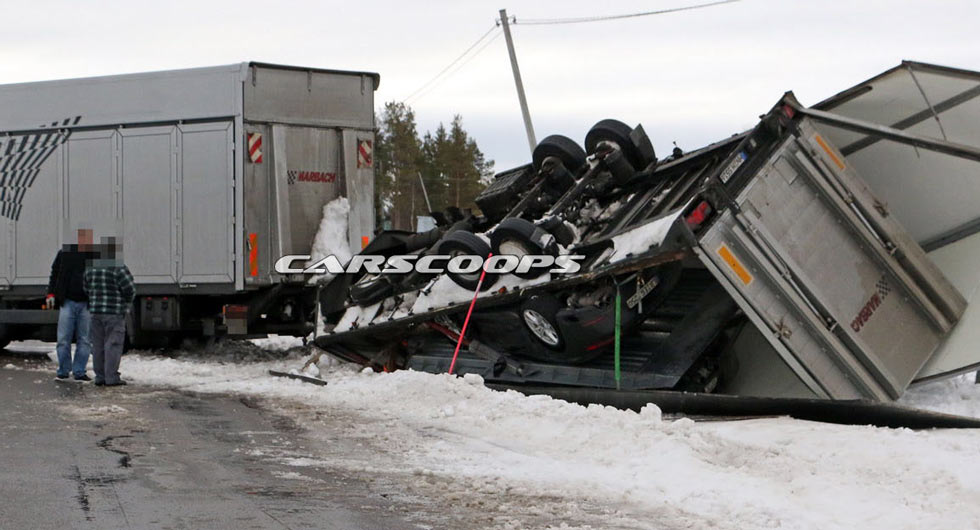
693, 77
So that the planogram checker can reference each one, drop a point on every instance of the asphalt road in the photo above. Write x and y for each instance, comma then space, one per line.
73, 455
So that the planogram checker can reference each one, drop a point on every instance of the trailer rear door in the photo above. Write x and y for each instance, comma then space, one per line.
847, 298
933, 194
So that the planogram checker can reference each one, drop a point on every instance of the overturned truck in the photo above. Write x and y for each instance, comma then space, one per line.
786, 261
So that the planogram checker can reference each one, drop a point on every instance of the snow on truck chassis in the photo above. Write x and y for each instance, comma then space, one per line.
761, 265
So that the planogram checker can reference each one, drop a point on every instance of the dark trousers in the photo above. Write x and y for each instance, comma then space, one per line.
108, 333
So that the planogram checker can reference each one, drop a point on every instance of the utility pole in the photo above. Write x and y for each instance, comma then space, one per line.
425, 193
517, 80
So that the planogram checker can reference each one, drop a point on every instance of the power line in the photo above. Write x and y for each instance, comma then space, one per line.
450, 65
442, 75
460, 66
551, 21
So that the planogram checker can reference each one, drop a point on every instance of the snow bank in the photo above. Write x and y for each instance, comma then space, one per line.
772, 473
331, 237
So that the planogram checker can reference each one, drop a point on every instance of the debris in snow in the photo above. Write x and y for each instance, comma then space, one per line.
294, 374
9, 366
331, 237
312, 370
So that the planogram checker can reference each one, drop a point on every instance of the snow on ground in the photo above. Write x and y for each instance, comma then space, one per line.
642, 470
959, 395
278, 342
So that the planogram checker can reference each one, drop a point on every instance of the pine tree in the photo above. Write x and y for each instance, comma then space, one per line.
436, 182
399, 155
456, 165
451, 165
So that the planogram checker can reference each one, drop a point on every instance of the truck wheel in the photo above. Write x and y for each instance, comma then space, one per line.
460, 243
519, 237
618, 132
561, 147
539, 315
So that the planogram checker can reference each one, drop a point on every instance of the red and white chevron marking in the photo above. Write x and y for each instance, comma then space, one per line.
364, 153
255, 147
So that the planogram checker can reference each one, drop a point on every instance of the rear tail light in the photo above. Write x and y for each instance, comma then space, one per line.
698, 215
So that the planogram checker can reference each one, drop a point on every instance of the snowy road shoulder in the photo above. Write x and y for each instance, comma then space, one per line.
496, 448
778, 472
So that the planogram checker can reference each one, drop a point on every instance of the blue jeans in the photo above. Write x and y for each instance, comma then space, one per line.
74, 320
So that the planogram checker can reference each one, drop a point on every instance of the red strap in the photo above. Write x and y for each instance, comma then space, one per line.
462, 332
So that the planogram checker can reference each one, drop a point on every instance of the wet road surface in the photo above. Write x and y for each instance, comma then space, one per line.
73, 455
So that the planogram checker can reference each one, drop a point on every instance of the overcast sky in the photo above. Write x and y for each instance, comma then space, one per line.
691, 77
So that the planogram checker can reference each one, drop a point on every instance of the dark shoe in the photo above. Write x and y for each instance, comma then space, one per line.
99, 383
117, 383
59, 376
84, 377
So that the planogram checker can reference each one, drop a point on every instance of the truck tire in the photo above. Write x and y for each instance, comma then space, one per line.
618, 132
539, 316
561, 147
462, 242
519, 237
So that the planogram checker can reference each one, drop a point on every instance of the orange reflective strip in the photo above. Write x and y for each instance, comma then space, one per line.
735, 265
830, 152
364, 242
253, 253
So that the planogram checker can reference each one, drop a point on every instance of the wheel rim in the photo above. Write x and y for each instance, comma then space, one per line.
541, 328
513, 247
469, 276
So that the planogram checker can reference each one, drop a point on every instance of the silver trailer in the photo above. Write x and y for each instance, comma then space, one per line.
207, 175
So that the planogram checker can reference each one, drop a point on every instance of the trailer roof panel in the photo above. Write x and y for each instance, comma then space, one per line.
149, 97
931, 193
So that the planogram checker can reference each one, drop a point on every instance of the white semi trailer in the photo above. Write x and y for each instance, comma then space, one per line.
206, 175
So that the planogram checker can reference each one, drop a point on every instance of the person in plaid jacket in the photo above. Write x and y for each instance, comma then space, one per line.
109, 287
